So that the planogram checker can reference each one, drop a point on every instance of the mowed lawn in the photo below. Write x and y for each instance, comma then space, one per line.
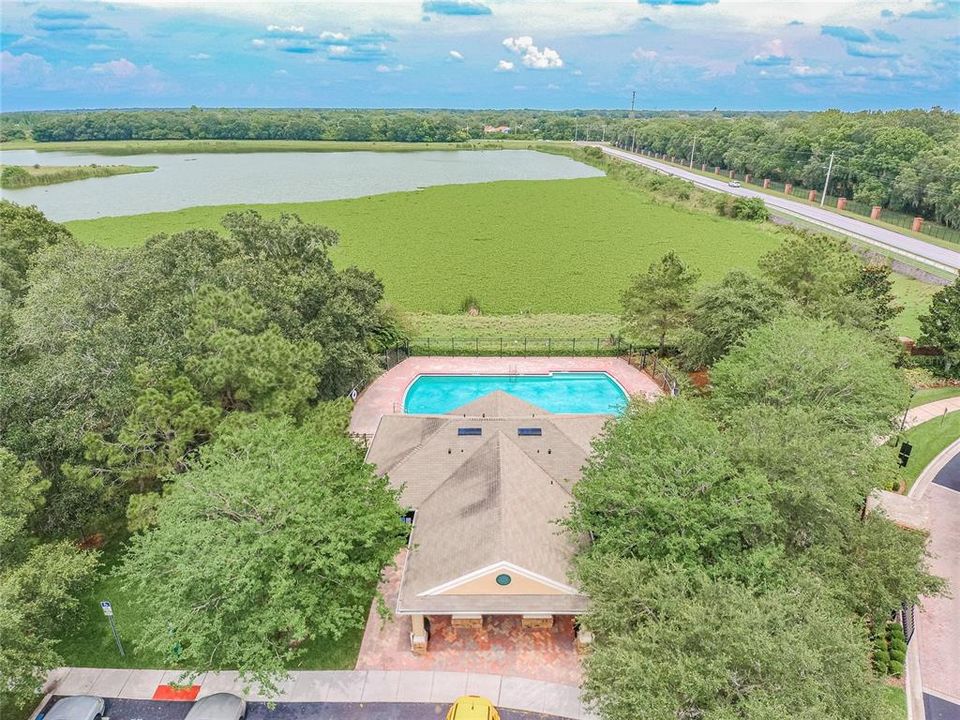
522, 249
558, 246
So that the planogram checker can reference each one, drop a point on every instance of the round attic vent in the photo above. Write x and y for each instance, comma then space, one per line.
504, 579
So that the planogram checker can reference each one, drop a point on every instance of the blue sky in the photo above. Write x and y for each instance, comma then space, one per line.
689, 54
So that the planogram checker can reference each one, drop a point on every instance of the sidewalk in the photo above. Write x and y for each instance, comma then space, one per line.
922, 413
334, 686
935, 666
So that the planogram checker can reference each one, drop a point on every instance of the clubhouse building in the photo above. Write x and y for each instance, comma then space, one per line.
486, 485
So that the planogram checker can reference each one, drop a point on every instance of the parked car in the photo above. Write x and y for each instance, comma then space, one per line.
77, 707
472, 707
219, 706
734, 183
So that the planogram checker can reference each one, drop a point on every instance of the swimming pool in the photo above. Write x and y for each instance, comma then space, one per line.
559, 392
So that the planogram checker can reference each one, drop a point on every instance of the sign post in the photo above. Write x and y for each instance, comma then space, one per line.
107, 608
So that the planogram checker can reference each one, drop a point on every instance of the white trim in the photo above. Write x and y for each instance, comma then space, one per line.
502, 565
498, 612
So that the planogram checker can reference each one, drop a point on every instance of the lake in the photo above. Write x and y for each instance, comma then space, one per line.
187, 180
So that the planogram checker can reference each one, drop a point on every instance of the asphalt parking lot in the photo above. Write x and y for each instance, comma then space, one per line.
121, 709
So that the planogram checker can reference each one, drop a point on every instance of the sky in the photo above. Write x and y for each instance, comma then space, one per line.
553, 54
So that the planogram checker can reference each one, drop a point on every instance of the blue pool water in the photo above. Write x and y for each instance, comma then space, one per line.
561, 392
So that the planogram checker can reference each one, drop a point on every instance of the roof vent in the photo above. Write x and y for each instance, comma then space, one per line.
529, 432
469, 431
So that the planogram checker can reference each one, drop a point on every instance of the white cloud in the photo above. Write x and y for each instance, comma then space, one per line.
551, 86
808, 71
23, 69
774, 48
504, 66
456, 55
258, 42
391, 68
287, 28
121, 68
531, 55
326, 36
200, 56
641, 54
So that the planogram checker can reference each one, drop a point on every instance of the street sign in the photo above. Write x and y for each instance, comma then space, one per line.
106, 607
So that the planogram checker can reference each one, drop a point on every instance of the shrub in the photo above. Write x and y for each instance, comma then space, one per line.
880, 661
897, 656
470, 305
895, 668
741, 208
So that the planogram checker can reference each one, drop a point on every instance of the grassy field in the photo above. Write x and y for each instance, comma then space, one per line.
929, 440
932, 394
23, 176
89, 642
526, 248
139, 147
894, 703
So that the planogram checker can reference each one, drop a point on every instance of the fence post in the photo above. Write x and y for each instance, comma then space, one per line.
476, 346
574, 346
524, 347
501, 346
549, 346
598, 346
453, 345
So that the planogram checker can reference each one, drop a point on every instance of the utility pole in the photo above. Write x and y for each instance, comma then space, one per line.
604, 138
633, 103
576, 129
693, 150
826, 182
634, 144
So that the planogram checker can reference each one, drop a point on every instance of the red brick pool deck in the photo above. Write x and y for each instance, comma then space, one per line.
501, 647
385, 395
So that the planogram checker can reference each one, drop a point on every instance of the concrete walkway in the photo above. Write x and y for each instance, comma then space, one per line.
930, 411
346, 686
934, 654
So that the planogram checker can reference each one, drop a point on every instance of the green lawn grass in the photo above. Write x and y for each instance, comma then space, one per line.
88, 641
894, 702
932, 394
929, 439
554, 247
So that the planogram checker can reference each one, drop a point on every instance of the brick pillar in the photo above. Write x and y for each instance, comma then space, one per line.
746, 178
703, 167
716, 171
841, 203
732, 174
766, 183
788, 188
917, 224
584, 640
812, 195
418, 635
875, 212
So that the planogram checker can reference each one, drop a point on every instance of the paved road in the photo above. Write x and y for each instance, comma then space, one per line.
937, 708
122, 709
904, 245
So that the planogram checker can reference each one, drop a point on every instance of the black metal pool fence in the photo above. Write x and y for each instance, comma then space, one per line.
644, 358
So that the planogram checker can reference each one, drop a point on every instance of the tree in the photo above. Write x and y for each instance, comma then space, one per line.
275, 535
243, 363
795, 362
815, 271
660, 487
39, 585
874, 288
656, 301
940, 326
722, 313
676, 643
24, 231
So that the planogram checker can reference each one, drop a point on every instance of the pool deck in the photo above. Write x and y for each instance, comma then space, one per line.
384, 396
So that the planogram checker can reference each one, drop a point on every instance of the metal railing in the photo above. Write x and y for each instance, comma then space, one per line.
517, 346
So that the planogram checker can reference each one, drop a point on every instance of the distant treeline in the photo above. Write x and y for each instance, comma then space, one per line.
907, 160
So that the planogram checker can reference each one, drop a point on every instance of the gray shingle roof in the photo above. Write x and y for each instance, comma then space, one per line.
486, 499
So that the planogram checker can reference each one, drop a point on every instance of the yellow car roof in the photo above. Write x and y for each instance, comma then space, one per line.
473, 707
